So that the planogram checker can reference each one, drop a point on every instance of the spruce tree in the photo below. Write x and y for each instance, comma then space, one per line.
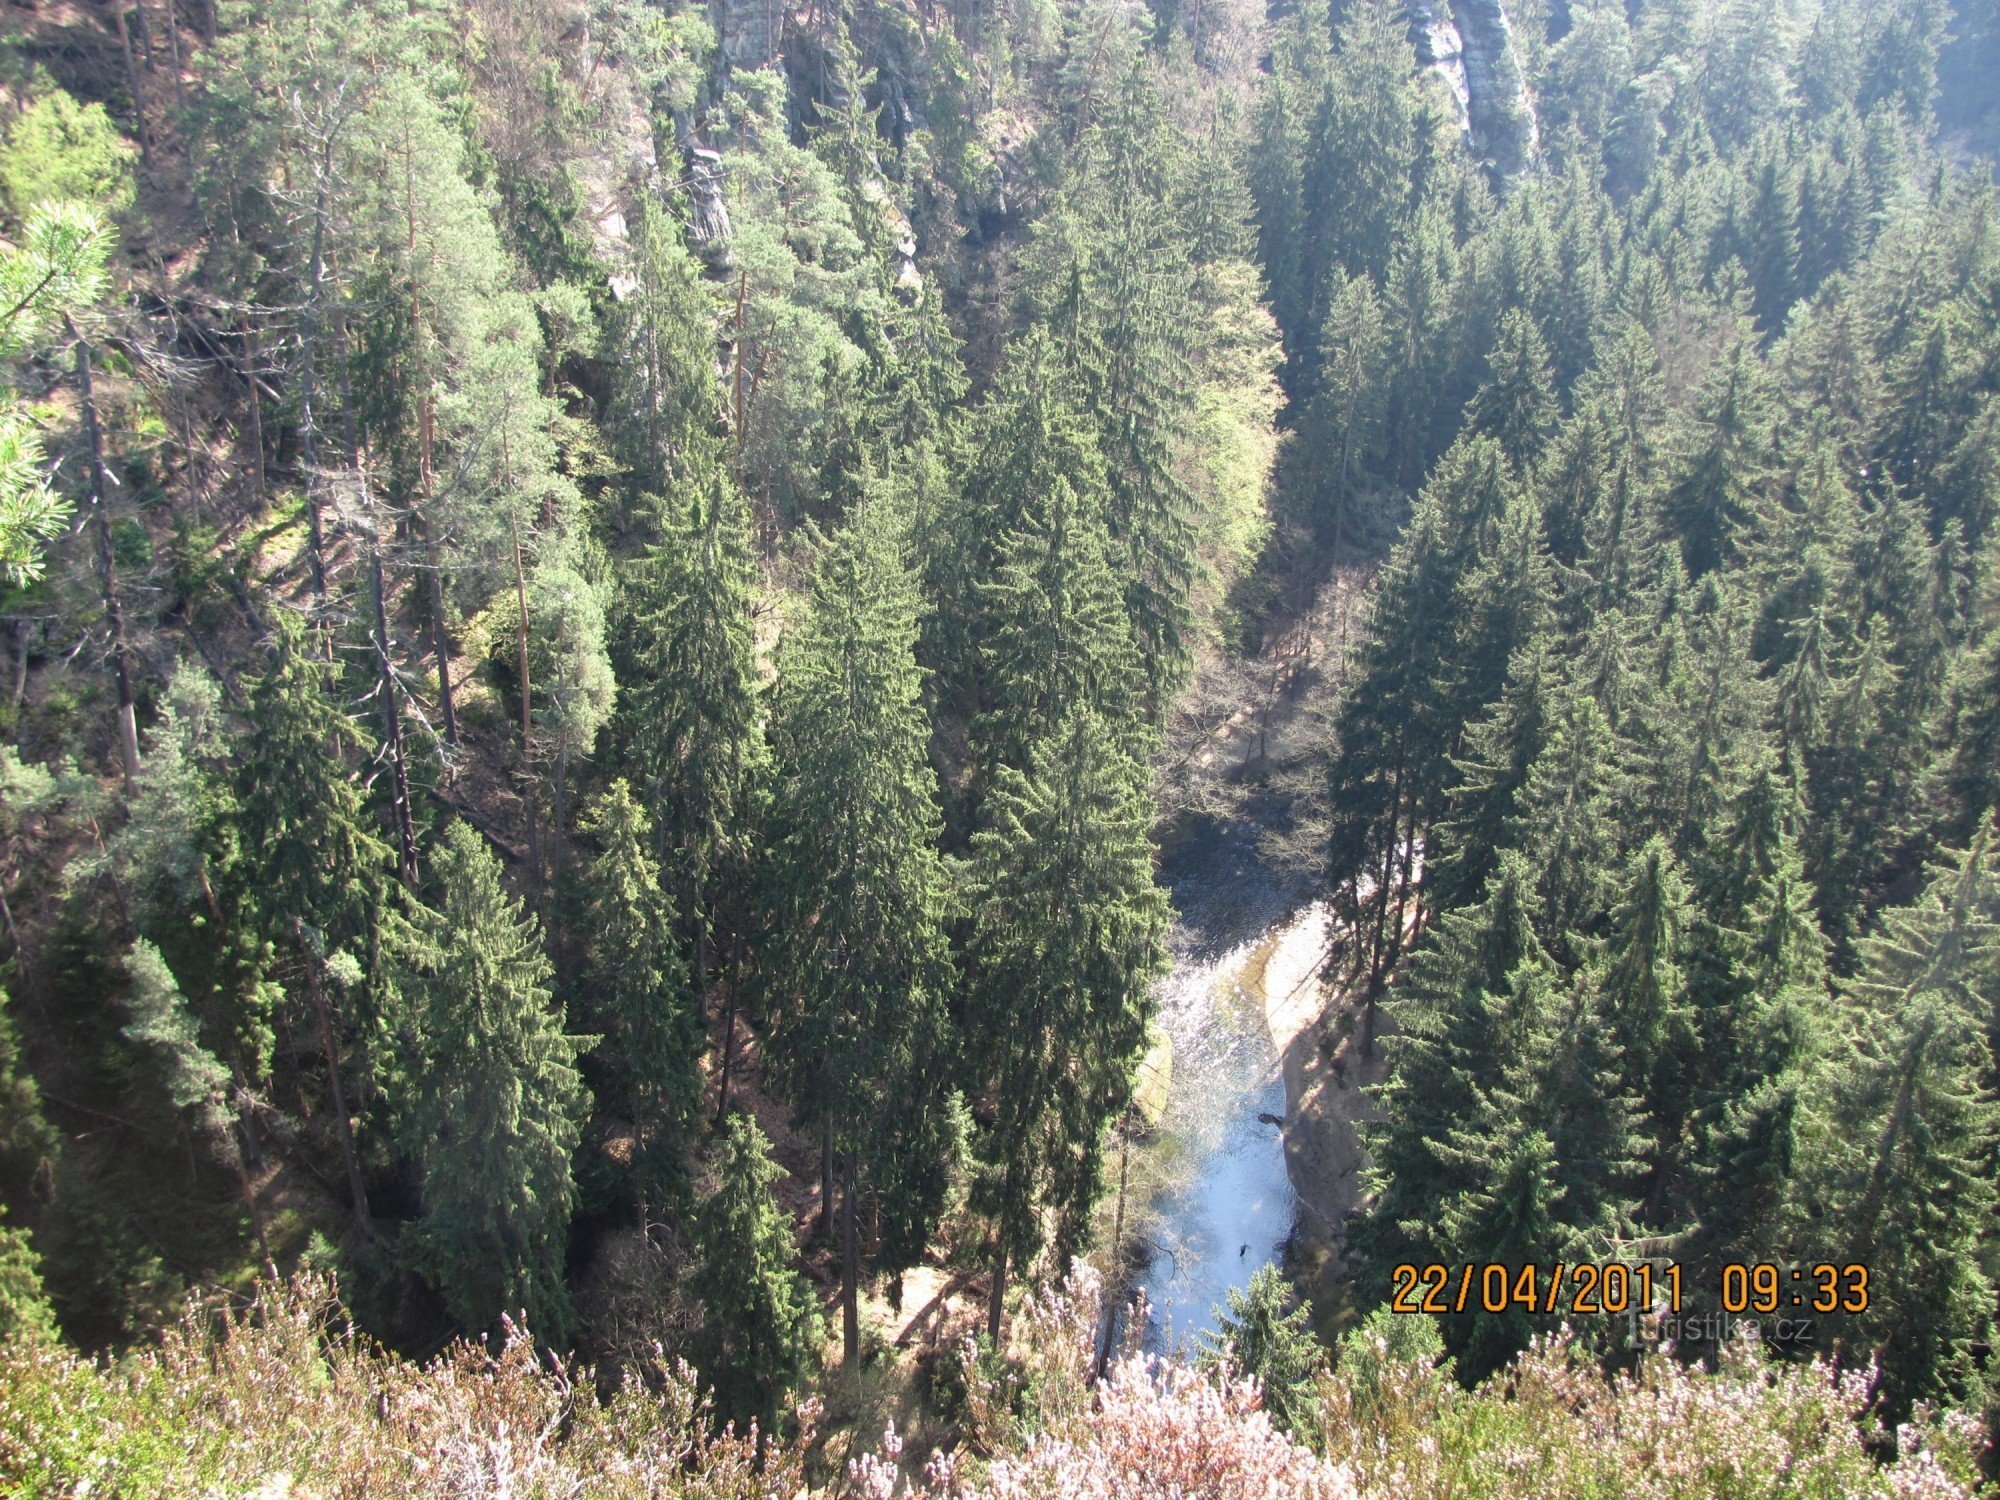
1065, 943
764, 1326
638, 987
1057, 634
489, 1103
855, 962
321, 872
690, 707
1266, 1332
1903, 1127
1449, 1007
1723, 459
1643, 998
1517, 404
1341, 433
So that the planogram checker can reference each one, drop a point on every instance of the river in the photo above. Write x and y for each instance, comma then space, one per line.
1227, 1207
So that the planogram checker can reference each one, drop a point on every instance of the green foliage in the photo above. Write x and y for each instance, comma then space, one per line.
490, 1103
24, 1308
764, 1321
55, 267
60, 151
690, 710
638, 984
1066, 940
855, 961
161, 1024
1266, 1333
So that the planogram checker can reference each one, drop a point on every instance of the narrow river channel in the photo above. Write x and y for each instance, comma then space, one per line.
1228, 1207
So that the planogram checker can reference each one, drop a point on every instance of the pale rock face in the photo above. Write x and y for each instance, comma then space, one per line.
1441, 50
1504, 128
708, 218
1470, 45
750, 31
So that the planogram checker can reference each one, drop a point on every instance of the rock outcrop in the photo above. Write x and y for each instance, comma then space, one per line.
1504, 129
1441, 50
749, 33
1470, 45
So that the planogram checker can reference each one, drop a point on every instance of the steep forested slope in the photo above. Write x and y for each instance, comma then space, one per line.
596, 591
1660, 817
584, 549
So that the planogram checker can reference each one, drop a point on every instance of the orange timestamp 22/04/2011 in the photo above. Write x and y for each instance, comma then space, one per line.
1591, 1288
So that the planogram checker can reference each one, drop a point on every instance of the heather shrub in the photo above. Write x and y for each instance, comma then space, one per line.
1553, 1425
284, 1398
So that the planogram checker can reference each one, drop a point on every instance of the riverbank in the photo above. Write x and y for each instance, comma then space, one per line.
1326, 1079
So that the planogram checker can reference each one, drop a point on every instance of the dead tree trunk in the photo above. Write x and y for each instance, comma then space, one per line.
107, 567
850, 1271
343, 1126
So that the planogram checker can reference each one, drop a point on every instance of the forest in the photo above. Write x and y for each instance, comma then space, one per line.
628, 622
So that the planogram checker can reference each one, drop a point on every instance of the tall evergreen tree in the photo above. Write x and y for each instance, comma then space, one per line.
690, 711
1058, 633
1723, 459
321, 872
639, 988
1517, 404
1065, 943
764, 1319
489, 1104
856, 963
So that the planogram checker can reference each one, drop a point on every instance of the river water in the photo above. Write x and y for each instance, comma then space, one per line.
1229, 1207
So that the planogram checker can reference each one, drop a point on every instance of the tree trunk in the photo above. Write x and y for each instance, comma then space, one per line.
996, 1301
527, 713
389, 704
728, 1051
850, 1273
249, 1194
250, 357
132, 82
344, 1127
1115, 1285
701, 952
826, 1177
174, 51
308, 379
107, 567
426, 440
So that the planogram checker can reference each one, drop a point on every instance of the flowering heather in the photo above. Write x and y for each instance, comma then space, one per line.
287, 1401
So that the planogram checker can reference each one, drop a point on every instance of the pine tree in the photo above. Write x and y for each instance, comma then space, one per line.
639, 987
1027, 436
1967, 780
1500, 748
1449, 1007
1564, 821
1642, 996
855, 962
1341, 433
764, 1320
1903, 1130
1115, 288
489, 1103
664, 416
1066, 941
1363, 151
320, 871
27, 1144
1723, 459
